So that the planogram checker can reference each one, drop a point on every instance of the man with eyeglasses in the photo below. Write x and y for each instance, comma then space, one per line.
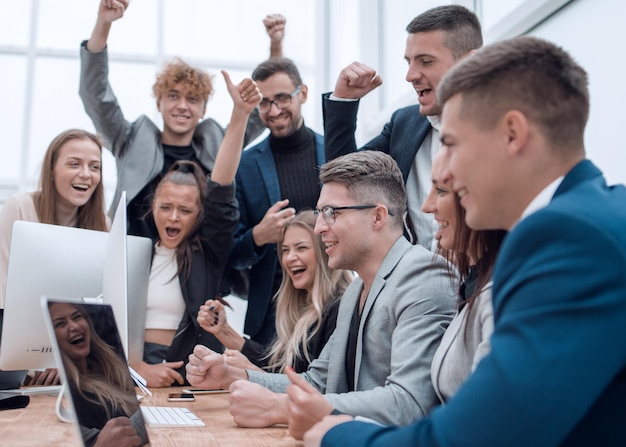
390, 319
276, 178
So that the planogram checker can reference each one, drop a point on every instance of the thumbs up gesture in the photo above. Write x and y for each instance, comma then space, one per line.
245, 95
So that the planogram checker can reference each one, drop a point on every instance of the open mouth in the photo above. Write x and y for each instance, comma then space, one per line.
296, 271
80, 187
172, 232
77, 340
423, 92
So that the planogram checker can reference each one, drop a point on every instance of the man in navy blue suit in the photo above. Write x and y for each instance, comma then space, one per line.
437, 39
513, 121
276, 178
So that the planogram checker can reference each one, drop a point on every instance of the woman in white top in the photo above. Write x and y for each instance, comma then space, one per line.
466, 340
195, 216
70, 193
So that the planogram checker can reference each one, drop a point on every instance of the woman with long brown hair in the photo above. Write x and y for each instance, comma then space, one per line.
70, 193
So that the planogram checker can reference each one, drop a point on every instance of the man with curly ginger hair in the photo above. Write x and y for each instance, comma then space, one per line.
143, 152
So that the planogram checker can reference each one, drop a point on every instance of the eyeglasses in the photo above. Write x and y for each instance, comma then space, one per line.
328, 212
281, 101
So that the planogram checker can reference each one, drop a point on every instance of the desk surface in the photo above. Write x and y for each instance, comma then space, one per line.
37, 424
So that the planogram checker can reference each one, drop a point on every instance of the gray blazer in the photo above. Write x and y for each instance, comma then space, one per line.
465, 343
136, 145
406, 312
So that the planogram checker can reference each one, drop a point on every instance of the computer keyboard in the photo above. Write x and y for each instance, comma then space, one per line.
170, 417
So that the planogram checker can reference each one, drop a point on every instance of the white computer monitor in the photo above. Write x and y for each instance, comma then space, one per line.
125, 277
52, 260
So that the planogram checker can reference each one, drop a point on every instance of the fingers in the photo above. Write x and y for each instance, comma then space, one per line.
299, 381
226, 76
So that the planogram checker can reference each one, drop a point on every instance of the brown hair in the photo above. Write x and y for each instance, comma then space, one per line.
526, 74
460, 27
91, 215
370, 176
187, 173
277, 65
197, 80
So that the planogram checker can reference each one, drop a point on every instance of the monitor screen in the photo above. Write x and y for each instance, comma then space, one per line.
52, 260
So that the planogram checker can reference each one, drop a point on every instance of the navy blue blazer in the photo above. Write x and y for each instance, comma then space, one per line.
556, 375
257, 190
401, 137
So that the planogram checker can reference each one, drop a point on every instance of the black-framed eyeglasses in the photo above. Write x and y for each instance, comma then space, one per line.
281, 101
328, 212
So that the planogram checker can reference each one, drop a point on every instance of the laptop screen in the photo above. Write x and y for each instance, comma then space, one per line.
87, 344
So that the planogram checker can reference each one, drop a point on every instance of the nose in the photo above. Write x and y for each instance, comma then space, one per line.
320, 224
429, 204
84, 171
413, 73
173, 215
274, 109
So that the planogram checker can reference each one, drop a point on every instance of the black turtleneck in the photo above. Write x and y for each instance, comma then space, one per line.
296, 164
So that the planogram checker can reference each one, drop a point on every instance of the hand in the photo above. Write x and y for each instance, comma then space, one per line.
48, 377
305, 405
268, 230
111, 10
356, 80
275, 27
236, 358
118, 432
212, 316
160, 375
314, 436
208, 369
245, 95
252, 405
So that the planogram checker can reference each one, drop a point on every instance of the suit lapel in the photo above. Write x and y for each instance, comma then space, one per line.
582, 171
267, 170
394, 256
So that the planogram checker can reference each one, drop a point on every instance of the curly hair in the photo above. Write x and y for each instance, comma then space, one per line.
197, 80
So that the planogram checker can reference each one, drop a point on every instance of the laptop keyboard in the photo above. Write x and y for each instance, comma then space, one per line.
170, 417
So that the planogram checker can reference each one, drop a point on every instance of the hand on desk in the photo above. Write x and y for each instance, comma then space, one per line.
48, 377
118, 432
160, 375
252, 405
314, 436
305, 405
208, 369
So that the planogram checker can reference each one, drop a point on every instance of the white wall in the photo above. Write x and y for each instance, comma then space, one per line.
593, 32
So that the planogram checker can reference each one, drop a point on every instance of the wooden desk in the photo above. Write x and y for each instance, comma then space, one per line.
37, 424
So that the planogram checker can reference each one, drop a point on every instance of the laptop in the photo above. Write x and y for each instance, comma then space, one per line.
87, 333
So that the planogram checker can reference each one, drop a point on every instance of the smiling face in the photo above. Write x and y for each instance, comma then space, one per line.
282, 122
181, 109
298, 257
441, 203
175, 209
76, 174
429, 59
72, 332
479, 168
347, 239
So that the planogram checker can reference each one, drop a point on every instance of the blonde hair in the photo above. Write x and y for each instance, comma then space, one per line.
106, 381
298, 313
91, 215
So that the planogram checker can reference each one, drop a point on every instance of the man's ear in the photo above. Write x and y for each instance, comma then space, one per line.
304, 93
516, 127
159, 103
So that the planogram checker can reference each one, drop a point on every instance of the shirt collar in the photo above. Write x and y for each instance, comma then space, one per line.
542, 199
434, 121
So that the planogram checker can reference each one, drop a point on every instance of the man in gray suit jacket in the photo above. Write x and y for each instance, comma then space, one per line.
390, 321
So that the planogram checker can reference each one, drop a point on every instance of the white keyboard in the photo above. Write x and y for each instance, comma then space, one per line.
170, 417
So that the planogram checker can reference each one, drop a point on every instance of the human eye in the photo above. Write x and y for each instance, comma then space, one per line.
193, 99
164, 207
172, 96
441, 191
95, 167
282, 99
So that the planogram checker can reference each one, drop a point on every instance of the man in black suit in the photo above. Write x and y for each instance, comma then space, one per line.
437, 39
